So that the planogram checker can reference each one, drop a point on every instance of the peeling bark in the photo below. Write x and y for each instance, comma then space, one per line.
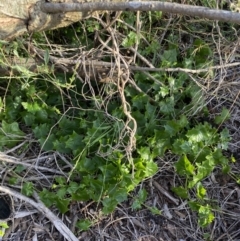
21, 16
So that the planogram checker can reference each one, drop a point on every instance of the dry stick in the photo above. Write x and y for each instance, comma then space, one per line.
59, 225
16, 147
164, 192
14, 160
136, 68
65, 61
184, 9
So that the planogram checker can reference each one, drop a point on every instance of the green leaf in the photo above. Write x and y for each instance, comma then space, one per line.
139, 199
142, 195
181, 146
224, 139
200, 133
151, 168
2, 232
31, 107
60, 145
46, 57
139, 101
41, 115
47, 143
233, 159
1, 105
47, 197
183, 122
31, 91
145, 153
88, 165
154, 210
83, 194
68, 126
207, 236
41, 130
13, 180
206, 216
171, 82
167, 106
169, 57
201, 191
225, 115
203, 170
4, 225
200, 152
61, 181
160, 142
137, 204
172, 128
217, 157
27, 189
120, 194
109, 172
184, 166
73, 187
131, 39
28, 118
84, 224
180, 191
202, 52
61, 192
109, 204
194, 205
11, 130
150, 119
62, 205
75, 141
19, 169
164, 91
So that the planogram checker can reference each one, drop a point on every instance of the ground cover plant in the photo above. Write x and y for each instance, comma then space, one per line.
152, 103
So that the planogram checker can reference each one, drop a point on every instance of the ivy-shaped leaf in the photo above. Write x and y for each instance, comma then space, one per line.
201, 191
62, 205
206, 216
84, 225
225, 115
172, 127
180, 191
169, 57
184, 166
139, 199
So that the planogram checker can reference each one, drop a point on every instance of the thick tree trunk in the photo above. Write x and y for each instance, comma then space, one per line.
20, 16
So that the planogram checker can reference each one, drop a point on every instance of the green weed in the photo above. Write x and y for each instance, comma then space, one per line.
61, 119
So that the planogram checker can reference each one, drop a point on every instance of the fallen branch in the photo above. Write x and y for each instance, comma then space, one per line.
59, 225
183, 9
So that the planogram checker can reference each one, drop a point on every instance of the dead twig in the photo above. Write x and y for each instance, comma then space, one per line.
164, 192
15, 160
59, 225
